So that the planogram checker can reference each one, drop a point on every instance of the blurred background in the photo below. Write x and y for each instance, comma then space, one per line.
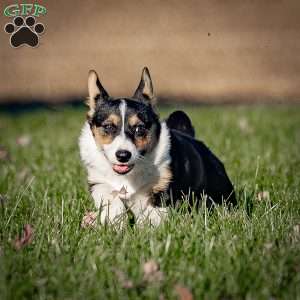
197, 51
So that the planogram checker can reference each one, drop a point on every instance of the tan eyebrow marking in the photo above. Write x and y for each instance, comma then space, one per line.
134, 120
113, 118
100, 136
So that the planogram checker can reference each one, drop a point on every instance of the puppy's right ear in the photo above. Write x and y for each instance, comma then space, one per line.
97, 92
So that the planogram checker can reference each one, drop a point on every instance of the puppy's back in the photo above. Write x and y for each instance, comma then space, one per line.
196, 169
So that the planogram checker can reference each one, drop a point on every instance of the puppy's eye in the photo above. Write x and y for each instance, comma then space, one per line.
109, 128
140, 131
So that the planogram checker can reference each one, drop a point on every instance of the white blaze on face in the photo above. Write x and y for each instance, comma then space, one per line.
120, 142
122, 108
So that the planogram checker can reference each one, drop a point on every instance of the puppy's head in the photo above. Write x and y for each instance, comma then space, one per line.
125, 129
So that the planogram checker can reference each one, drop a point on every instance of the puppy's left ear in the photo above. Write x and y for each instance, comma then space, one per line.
144, 91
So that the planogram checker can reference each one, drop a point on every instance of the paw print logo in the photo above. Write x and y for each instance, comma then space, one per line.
24, 32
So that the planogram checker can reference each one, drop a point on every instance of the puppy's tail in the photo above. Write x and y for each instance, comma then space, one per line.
180, 121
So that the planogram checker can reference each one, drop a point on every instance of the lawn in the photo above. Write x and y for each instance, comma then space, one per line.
250, 252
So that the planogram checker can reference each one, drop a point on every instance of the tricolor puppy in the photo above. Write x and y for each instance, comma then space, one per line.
137, 163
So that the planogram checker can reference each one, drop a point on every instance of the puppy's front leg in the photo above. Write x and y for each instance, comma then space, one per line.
153, 215
112, 209
145, 212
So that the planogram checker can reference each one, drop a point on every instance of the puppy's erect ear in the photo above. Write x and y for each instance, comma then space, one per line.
144, 91
96, 91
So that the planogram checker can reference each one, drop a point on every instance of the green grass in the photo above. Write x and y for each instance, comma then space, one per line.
251, 252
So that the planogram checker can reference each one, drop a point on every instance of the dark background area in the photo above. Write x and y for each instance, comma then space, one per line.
205, 51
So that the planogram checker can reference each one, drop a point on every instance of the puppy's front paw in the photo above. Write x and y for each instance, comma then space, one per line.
153, 216
114, 214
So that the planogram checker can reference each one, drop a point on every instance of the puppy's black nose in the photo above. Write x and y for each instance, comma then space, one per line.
123, 156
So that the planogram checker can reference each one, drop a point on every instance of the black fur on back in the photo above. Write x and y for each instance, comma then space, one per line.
180, 121
195, 169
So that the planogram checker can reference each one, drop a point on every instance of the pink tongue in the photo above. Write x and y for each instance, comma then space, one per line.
121, 168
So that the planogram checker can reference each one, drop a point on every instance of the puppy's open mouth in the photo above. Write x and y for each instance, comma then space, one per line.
122, 169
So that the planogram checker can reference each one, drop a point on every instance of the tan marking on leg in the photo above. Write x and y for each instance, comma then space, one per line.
163, 181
